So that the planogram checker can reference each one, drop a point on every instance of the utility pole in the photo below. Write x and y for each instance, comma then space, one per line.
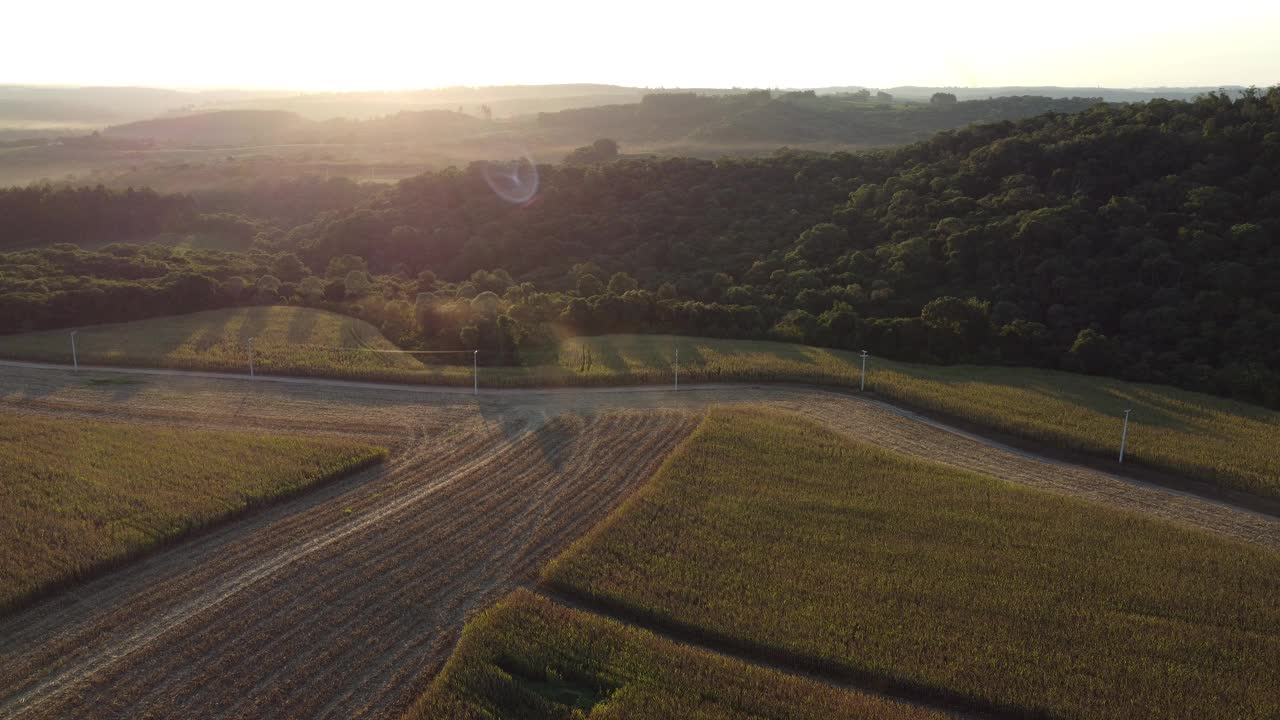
251, 357
475, 372
862, 378
677, 368
75, 361
1124, 434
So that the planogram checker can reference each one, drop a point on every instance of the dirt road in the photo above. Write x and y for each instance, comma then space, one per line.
341, 603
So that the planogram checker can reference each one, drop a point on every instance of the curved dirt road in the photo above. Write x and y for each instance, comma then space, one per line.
342, 602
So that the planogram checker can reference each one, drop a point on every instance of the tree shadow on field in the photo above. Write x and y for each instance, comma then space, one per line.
692, 365
20, 391
606, 354
211, 332
690, 353
255, 320
116, 388
301, 327
1111, 401
1187, 408
547, 428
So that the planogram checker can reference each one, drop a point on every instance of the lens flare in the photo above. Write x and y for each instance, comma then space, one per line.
515, 181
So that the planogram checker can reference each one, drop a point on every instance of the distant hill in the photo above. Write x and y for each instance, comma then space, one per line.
761, 117
98, 106
240, 135
912, 92
235, 128
28, 106
501, 101
229, 127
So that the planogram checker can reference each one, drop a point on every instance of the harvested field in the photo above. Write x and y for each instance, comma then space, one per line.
334, 605
274, 613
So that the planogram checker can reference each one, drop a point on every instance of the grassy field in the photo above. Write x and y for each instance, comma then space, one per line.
1185, 433
534, 659
286, 341
770, 534
79, 495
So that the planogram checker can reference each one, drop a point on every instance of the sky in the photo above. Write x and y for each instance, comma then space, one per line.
384, 45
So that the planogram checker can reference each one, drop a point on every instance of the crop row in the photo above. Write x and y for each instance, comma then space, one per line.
769, 534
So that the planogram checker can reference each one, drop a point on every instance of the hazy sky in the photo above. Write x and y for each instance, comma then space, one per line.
382, 44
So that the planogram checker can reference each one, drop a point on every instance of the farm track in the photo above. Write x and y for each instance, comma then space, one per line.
343, 601
901, 431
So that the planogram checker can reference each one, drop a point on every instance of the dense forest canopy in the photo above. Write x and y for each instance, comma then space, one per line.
1141, 241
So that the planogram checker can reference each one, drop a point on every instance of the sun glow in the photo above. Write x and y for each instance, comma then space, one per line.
383, 44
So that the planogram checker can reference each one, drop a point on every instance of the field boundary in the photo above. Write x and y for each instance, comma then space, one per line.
1135, 471
105, 567
789, 663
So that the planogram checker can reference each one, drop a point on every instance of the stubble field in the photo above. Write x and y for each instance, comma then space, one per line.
338, 603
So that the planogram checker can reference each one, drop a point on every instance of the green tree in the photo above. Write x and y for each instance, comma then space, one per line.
1092, 352
289, 268
357, 283
589, 286
311, 288
621, 283
340, 266
821, 243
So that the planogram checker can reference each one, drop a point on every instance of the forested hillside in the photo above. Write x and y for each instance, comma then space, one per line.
1139, 241
761, 116
221, 150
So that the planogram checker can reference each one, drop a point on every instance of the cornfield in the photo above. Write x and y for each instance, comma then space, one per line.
81, 495
774, 536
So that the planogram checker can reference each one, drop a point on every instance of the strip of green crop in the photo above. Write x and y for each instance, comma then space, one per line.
769, 534
533, 659
80, 495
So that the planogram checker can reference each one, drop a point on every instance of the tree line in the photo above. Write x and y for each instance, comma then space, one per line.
1137, 241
